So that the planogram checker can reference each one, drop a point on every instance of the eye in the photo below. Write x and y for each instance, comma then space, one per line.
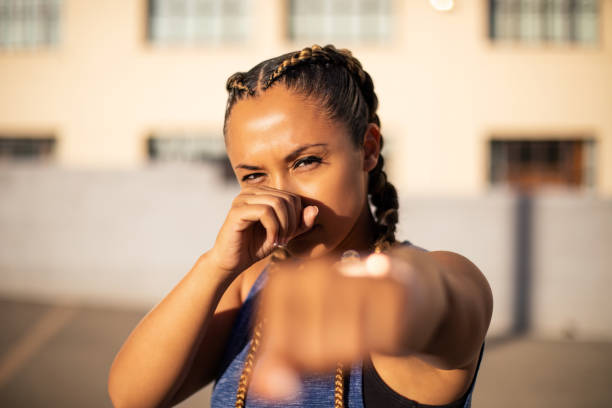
307, 162
249, 178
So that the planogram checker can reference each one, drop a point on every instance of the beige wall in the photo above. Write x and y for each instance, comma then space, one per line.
444, 89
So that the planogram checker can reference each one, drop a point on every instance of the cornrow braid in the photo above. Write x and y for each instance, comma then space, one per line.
346, 92
307, 55
338, 79
331, 55
249, 364
235, 83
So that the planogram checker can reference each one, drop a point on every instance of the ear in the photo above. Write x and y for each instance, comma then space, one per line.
371, 146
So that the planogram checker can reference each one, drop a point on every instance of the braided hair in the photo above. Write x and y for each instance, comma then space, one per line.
346, 91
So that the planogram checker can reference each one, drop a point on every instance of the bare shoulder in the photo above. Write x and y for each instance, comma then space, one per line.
470, 307
465, 275
446, 374
462, 274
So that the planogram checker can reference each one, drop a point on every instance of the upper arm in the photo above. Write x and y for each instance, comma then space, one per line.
460, 336
444, 371
207, 358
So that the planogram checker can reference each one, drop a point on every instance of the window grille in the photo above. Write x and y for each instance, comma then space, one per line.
190, 148
367, 21
189, 22
544, 21
534, 163
22, 148
29, 23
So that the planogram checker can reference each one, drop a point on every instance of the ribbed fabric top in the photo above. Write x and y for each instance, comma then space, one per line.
317, 390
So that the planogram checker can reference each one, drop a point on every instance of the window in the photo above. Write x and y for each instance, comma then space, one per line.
197, 21
552, 21
340, 20
534, 163
22, 148
190, 148
29, 23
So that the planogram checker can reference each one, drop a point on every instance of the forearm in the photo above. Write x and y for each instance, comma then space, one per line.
156, 353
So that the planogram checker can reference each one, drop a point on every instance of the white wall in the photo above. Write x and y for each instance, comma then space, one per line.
126, 237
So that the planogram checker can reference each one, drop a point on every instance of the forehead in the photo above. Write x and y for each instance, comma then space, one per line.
279, 120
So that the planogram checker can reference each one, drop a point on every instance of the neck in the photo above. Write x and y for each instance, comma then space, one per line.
362, 235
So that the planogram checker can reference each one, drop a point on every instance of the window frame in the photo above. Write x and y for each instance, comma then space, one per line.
39, 47
222, 43
35, 134
488, 18
388, 43
217, 159
590, 166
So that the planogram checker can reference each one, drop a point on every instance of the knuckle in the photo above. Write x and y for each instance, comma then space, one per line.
268, 212
278, 202
296, 200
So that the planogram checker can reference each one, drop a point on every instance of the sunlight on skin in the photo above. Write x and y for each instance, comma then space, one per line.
282, 148
266, 122
263, 131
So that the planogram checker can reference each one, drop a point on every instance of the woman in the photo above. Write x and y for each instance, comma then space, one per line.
335, 326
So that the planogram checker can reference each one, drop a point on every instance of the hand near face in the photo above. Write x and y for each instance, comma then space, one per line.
259, 218
321, 312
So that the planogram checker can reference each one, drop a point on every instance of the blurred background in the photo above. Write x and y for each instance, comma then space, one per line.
497, 117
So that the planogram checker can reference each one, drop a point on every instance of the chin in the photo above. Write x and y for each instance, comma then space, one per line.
309, 244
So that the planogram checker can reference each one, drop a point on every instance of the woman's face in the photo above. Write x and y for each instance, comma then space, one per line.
282, 140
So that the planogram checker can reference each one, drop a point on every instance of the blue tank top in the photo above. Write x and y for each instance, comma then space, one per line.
317, 390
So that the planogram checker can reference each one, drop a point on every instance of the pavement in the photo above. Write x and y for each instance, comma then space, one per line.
59, 356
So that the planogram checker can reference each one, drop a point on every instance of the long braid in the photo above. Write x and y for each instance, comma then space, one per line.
279, 254
383, 194
384, 197
249, 363
362, 111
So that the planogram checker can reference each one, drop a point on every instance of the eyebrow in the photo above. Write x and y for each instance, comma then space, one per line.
291, 156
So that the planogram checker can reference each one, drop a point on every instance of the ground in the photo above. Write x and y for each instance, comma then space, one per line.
59, 356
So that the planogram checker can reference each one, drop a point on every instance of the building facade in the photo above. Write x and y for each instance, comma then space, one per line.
469, 98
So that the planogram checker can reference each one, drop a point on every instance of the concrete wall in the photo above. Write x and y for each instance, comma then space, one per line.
444, 89
126, 237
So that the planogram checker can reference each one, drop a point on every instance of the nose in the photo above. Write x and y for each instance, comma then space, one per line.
293, 186
283, 182
279, 182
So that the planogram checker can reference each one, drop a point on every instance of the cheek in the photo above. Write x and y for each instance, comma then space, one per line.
348, 196
343, 191
341, 195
